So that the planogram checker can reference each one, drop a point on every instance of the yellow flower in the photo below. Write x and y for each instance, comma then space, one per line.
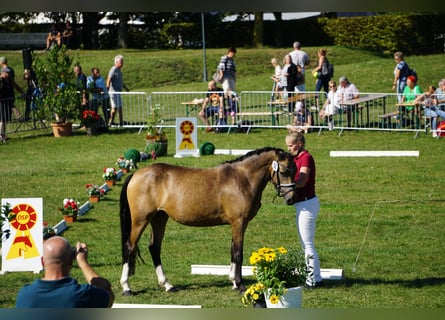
282, 250
273, 299
270, 257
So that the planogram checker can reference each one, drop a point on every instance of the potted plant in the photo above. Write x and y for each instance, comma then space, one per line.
254, 295
60, 100
5, 215
125, 164
110, 176
280, 273
70, 210
156, 138
90, 119
94, 192
48, 231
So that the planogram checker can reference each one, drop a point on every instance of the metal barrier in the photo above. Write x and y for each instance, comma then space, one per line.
135, 109
260, 109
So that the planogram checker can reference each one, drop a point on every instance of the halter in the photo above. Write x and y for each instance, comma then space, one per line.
279, 186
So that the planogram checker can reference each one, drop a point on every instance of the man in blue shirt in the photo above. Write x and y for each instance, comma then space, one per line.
99, 93
57, 289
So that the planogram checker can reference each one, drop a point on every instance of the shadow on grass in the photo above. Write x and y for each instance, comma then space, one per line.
189, 287
414, 283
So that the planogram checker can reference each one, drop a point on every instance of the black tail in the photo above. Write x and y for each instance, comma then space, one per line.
128, 255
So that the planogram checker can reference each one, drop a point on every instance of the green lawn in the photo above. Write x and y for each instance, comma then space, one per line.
381, 219
399, 263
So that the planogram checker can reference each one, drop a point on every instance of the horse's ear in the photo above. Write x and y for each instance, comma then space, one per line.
282, 155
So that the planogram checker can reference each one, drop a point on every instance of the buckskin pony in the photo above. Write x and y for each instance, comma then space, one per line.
229, 193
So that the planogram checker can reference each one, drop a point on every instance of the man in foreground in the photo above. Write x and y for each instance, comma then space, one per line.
57, 289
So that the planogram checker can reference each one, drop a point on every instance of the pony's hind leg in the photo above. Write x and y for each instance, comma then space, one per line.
126, 291
158, 224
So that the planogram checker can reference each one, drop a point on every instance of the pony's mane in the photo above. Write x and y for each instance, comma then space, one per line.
254, 152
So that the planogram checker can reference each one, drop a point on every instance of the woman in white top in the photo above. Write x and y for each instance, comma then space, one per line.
277, 78
331, 105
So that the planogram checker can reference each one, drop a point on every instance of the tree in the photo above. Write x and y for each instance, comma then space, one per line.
258, 30
122, 38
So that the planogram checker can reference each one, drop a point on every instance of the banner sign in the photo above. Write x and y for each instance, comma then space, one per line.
186, 138
22, 250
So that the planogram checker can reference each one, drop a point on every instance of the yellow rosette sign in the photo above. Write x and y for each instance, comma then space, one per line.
22, 250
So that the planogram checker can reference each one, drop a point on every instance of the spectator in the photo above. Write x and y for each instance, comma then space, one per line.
81, 83
57, 289
440, 95
289, 76
347, 91
321, 70
276, 77
6, 101
401, 72
411, 92
301, 59
99, 93
115, 84
30, 77
409, 95
53, 37
67, 34
429, 102
307, 205
231, 107
331, 105
227, 71
302, 118
11, 76
215, 101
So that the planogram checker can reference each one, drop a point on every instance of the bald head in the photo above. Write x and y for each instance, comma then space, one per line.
56, 251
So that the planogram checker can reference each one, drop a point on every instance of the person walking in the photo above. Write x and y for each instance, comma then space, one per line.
57, 289
115, 84
401, 73
307, 205
227, 71
301, 59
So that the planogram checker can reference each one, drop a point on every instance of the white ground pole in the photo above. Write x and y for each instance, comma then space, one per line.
220, 270
375, 153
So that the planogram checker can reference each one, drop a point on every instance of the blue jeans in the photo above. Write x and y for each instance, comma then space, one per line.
434, 112
401, 84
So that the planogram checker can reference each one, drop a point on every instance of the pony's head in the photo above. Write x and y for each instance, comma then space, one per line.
283, 171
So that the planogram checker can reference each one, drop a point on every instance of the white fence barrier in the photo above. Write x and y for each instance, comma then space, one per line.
260, 109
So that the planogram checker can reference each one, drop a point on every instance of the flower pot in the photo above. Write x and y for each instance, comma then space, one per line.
261, 304
110, 183
91, 129
94, 199
70, 219
160, 147
293, 298
62, 129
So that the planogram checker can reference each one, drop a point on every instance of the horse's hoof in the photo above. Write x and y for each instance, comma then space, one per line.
172, 289
127, 293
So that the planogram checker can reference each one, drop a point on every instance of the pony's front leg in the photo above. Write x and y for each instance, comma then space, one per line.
236, 264
162, 279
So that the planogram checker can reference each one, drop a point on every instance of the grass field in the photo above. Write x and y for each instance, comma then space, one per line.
400, 264
397, 203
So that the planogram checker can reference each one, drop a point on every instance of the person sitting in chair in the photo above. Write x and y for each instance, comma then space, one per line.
67, 34
53, 37
215, 101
